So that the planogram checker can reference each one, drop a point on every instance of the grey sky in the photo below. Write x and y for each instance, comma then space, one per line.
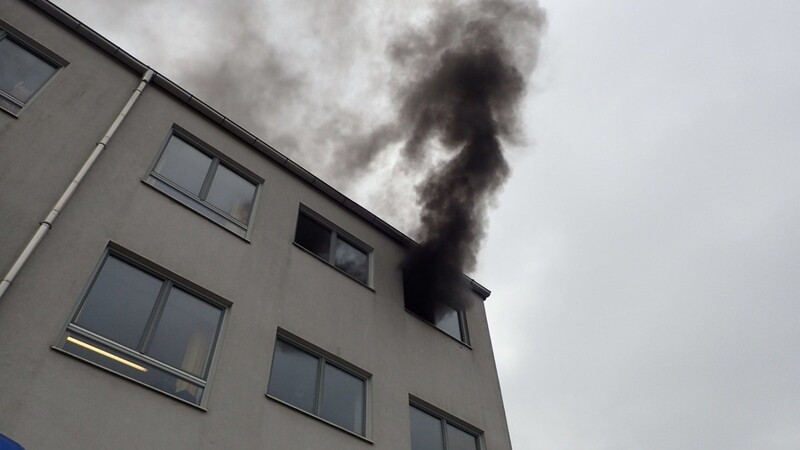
644, 257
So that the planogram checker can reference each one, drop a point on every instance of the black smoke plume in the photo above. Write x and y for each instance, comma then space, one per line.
469, 72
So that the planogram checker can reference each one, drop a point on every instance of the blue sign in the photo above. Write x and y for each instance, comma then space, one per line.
7, 444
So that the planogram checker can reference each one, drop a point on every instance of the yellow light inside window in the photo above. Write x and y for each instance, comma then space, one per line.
106, 354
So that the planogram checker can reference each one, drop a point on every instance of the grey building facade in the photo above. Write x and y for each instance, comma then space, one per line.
199, 289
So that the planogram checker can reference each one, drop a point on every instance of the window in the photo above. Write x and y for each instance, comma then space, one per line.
146, 327
333, 246
190, 172
450, 320
433, 432
319, 386
23, 72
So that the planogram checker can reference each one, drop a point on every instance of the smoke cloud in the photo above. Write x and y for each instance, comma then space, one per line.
455, 85
243, 74
464, 79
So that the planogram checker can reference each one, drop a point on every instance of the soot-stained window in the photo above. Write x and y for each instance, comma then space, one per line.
437, 312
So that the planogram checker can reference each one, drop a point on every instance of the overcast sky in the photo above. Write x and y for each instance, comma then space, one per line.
644, 257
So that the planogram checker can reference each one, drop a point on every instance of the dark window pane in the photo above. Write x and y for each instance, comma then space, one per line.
232, 194
119, 303
426, 431
351, 260
184, 165
294, 376
343, 399
21, 73
313, 237
132, 367
458, 439
448, 321
185, 333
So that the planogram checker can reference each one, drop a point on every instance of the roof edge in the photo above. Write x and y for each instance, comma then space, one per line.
480, 289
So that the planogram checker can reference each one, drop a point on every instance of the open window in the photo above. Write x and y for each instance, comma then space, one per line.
439, 313
332, 245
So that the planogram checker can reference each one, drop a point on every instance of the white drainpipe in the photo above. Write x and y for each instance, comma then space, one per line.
47, 223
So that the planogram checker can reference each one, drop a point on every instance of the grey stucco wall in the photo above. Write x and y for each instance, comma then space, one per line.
41, 150
50, 400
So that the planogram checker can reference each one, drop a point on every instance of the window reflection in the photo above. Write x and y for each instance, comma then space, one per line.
318, 387
184, 165
449, 321
318, 239
128, 313
185, 333
120, 303
201, 181
427, 433
232, 194
351, 260
293, 378
343, 399
22, 74
458, 439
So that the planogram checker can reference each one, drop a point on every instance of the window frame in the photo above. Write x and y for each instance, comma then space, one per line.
324, 357
445, 419
169, 280
39, 51
336, 234
462, 317
462, 322
198, 203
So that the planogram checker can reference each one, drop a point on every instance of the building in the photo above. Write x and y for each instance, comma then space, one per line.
199, 289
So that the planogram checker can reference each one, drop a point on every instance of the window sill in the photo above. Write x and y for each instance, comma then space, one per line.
306, 413
106, 369
327, 263
11, 113
198, 208
413, 314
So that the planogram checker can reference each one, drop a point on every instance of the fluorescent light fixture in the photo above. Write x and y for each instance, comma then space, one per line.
106, 354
